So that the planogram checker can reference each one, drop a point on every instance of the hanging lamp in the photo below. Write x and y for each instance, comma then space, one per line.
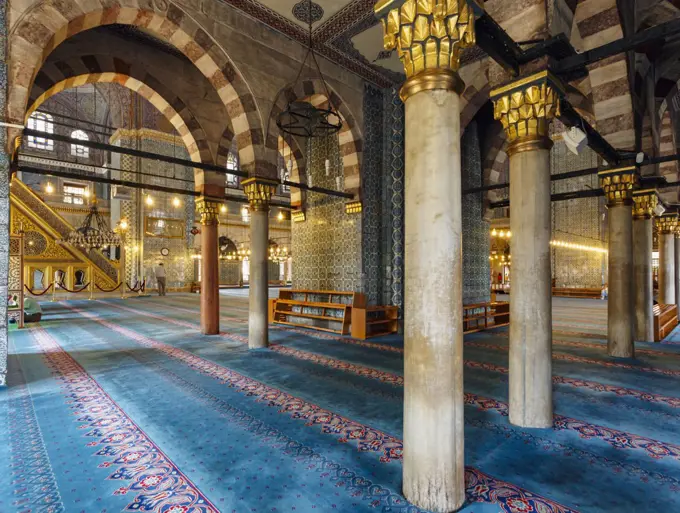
94, 233
301, 118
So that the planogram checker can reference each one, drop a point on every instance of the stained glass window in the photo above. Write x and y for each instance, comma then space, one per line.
232, 164
76, 149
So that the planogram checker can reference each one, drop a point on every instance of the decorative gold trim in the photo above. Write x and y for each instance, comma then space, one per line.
645, 203
529, 143
208, 209
298, 216
427, 34
618, 185
526, 107
259, 192
432, 79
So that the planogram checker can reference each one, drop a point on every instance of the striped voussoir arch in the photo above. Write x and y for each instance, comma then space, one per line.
667, 147
597, 22
55, 77
46, 24
477, 88
349, 137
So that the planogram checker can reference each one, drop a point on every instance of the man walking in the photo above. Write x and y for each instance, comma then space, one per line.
160, 278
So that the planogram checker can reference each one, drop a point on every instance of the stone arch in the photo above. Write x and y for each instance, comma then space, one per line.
186, 125
350, 139
42, 27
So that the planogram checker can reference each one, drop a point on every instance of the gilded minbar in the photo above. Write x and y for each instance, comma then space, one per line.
259, 192
428, 36
618, 186
646, 204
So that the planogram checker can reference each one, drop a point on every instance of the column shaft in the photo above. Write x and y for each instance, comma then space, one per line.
643, 289
433, 333
258, 335
531, 302
210, 281
676, 249
620, 310
666, 268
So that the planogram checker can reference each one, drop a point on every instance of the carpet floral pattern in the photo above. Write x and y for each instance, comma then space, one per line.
124, 406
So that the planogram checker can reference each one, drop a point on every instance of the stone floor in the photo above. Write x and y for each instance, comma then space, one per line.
123, 406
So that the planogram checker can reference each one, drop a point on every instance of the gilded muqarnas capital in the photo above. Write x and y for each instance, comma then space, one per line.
427, 34
667, 223
645, 204
208, 209
259, 192
526, 107
618, 185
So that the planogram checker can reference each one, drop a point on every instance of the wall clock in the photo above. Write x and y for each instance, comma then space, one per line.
165, 251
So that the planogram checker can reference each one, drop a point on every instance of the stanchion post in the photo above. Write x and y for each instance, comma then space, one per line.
54, 289
91, 284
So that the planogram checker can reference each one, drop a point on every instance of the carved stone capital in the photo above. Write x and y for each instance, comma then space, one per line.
208, 209
427, 35
667, 223
646, 204
525, 108
259, 192
618, 185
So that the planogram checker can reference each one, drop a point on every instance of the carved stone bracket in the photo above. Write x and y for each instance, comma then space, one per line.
525, 108
208, 209
259, 192
618, 185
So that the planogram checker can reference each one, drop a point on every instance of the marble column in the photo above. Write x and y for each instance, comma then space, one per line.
210, 275
666, 225
618, 185
677, 268
259, 192
644, 206
433, 463
525, 108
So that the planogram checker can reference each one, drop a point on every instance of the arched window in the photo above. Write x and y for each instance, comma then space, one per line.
41, 122
232, 164
76, 149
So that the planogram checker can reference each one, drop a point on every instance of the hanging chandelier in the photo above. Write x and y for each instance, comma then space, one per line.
301, 118
94, 233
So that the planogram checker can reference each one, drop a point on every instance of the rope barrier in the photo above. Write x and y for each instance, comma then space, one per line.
109, 290
137, 288
62, 286
39, 293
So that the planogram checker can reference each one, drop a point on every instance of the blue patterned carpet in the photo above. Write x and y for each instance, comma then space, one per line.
123, 406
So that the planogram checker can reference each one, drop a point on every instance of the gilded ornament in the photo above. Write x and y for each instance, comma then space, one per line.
667, 223
645, 204
208, 210
259, 192
525, 108
428, 35
618, 185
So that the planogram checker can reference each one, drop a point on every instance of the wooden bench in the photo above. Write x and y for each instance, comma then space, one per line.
665, 319
577, 292
374, 321
482, 316
326, 310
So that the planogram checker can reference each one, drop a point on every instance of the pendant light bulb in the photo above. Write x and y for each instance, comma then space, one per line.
338, 182
328, 167
289, 166
309, 180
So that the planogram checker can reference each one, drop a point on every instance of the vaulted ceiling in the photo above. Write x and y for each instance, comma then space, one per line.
344, 31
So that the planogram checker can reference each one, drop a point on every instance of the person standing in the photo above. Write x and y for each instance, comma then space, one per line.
160, 278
